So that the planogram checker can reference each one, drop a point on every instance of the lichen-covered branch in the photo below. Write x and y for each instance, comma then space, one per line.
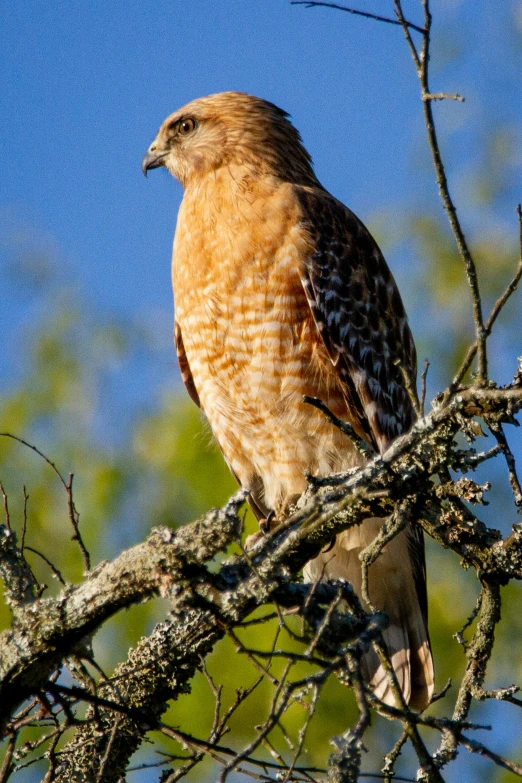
47, 630
205, 604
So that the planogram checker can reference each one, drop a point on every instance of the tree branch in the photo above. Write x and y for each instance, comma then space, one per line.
206, 603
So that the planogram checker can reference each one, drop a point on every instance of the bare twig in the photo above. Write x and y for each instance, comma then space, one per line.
51, 565
478, 653
421, 59
391, 527
498, 432
6, 507
37, 451
497, 308
302, 734
409, 720
213, 749
442, 96
6, 768
356, 12
409, 384
391, 757
73, 513
361, 445
477, 747
24, 520
424, 378
459, 635
74, 518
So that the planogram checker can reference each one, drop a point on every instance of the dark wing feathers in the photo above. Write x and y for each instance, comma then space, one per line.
186, 373
361, 319
360, 316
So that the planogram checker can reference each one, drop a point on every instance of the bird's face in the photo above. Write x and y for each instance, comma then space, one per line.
190, 141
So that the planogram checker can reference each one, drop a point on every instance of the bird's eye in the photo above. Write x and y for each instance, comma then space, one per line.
186, 126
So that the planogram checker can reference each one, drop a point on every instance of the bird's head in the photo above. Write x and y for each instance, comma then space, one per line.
225, 129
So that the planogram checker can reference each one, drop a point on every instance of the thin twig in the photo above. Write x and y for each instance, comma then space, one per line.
499, 435
74, 518
212, 749
409, 385
105, 760
275, 712
6, 507
424, 378
73, 513
408, 719
53, 568
459, 635
356, 12
421, 60
6, 769
477, 747
37, 451
325, 623
478, 653
467, 460
390, 528
302, 733
497, 308
391, 757
52, 756
24, 521
361, 445
265, 670
440, 694
442, 96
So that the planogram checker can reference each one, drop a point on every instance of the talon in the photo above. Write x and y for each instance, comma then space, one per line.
329, 547
266, 524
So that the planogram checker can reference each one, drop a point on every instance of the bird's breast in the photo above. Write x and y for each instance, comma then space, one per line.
238, 295
250, 340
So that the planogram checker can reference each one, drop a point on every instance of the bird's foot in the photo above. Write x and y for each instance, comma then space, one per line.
265, 525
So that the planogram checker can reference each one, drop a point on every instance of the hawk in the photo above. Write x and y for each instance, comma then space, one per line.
280, 292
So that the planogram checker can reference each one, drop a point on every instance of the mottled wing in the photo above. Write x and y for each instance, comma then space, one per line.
360, 316
186, 374
361, 319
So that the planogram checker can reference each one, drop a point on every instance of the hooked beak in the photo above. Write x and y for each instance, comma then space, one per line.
153, 159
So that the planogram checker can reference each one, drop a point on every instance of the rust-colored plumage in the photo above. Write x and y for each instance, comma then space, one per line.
280, 291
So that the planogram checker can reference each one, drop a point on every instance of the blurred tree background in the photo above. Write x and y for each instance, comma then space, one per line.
157, 465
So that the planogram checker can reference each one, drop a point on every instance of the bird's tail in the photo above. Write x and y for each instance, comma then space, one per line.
394, 588
408, 646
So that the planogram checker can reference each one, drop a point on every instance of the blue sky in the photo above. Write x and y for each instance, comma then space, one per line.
86, 85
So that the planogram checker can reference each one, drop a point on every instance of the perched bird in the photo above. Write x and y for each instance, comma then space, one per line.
280, 292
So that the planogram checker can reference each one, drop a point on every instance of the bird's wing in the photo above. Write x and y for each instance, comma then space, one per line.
361, 320
186, 374
359, 315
